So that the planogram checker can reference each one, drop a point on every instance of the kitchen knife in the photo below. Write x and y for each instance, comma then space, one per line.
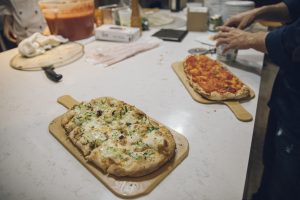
51, 74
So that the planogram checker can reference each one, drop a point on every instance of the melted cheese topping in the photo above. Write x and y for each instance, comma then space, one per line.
94, 131
153, 140
123, 133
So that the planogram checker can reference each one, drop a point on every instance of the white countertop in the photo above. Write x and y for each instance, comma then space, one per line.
34, 165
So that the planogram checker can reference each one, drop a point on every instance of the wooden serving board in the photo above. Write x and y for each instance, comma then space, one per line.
238, 110
57, 57
123, 187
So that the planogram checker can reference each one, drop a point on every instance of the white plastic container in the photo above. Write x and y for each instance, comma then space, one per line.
117, 33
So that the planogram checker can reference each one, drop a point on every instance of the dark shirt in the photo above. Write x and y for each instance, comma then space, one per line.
282, 45
260, 3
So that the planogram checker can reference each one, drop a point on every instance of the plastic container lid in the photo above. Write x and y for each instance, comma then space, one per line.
240, 3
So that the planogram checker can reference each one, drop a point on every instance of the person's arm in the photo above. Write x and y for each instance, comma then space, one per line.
293, 8
283, 44
7, 28
276, 12
6, 12
234, 38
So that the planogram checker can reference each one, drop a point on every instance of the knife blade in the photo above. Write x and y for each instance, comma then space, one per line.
202, 51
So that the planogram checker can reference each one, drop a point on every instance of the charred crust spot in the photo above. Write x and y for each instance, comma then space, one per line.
124, 131
122, 140
99, 113
121, 137
110, 161
140, 114
128, 124
164, 148
166, 143
92, 145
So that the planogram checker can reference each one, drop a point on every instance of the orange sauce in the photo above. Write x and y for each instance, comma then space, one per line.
72, 27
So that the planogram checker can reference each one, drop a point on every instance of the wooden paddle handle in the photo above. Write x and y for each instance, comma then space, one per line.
239, 111
67, 101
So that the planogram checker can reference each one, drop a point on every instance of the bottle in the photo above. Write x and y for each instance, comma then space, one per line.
177, 5
174, 5
136, 20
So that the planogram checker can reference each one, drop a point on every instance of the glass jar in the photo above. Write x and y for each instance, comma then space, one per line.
73, 19
228, 56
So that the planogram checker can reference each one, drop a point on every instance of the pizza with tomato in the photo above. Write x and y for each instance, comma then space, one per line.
213, 80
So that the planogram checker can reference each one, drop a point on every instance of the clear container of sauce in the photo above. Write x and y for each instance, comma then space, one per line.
229, 56
73, 19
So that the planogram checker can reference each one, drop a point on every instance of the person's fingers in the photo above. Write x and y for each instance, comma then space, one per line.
46, 31
7, 29
228, 47
218, 28
222, 41
221, 35
224, 28
242, 25
11, 37
14, 40
231, 22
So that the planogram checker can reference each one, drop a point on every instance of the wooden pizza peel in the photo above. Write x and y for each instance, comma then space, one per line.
56, 57
122, 187
234, 105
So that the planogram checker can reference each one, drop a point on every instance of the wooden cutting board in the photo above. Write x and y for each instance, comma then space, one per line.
122, 187
57, 57
238, 110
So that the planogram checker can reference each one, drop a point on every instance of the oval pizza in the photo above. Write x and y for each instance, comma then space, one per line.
212, 80
118, 138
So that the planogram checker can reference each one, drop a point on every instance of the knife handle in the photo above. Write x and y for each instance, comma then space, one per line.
51, 74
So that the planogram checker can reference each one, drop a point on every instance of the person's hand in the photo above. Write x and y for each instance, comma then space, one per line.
242, 20
46, 31
233, 38
8, 30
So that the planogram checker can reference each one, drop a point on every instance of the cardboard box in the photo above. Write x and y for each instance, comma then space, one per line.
197, 19
117, 33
